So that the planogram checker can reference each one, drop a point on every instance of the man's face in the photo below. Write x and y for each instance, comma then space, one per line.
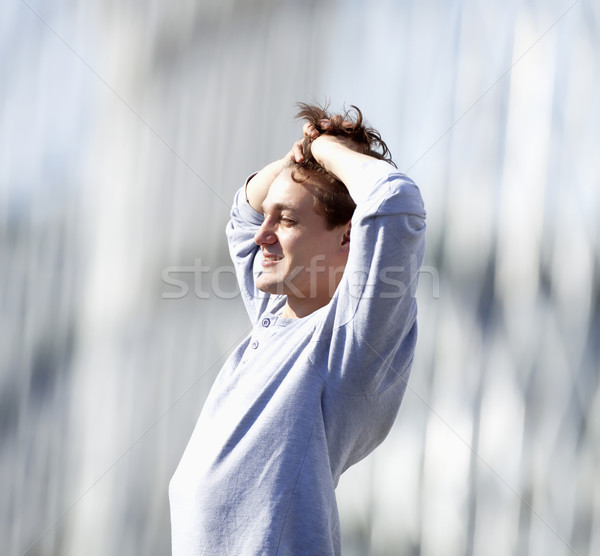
302, 258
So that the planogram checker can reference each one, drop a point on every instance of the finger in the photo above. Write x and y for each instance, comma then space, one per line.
296, 152
325, 124
310, 130
336, 120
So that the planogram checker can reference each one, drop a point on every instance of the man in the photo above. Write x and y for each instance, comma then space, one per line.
317, 385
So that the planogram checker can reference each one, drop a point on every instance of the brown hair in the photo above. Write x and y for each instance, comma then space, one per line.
331, 197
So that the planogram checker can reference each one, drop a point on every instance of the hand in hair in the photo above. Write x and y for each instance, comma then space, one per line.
337, 144
349, 127
332, 144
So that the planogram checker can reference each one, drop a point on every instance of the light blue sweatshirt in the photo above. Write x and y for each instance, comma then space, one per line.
301, 400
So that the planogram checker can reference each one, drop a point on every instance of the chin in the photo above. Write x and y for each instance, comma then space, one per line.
268, 286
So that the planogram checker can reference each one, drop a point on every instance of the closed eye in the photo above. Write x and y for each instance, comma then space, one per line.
287, 221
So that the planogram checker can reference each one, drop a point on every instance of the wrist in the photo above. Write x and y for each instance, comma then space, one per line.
323, 149
258, 185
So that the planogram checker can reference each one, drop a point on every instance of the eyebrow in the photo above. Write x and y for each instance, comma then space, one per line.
280, 207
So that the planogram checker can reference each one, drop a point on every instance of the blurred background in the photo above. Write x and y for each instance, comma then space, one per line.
125, 129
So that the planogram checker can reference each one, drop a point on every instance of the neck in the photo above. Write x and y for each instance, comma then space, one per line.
300, 308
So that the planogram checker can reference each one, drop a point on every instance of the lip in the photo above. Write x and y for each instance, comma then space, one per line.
270, 259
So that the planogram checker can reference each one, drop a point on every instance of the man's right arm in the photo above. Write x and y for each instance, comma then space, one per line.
258, 186
246, 217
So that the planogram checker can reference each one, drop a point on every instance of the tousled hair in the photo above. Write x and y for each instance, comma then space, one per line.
331, 197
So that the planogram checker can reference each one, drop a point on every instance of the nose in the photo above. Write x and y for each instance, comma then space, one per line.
265, 235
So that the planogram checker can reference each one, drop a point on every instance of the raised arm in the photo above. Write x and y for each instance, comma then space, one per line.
246, 218
339, 157
258, 186
337, 154
370, 328
341, 144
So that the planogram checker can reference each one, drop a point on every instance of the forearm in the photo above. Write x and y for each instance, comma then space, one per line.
334, 153
258, 186
338, 159
241, 229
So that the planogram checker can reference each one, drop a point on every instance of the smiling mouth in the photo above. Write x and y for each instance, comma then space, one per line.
269, 260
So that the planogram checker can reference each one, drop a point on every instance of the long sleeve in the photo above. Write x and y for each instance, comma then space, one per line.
246, 256
300, 400
368, 333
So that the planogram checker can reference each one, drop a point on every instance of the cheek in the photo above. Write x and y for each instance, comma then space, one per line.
302, 247
290, 241
325, 243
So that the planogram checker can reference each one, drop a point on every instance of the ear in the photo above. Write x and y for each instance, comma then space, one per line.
346, 237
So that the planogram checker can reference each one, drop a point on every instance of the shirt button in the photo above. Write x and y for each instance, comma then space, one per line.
254, 344
266, 322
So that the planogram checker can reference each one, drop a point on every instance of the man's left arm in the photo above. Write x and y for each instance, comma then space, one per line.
337, 156
374, 333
